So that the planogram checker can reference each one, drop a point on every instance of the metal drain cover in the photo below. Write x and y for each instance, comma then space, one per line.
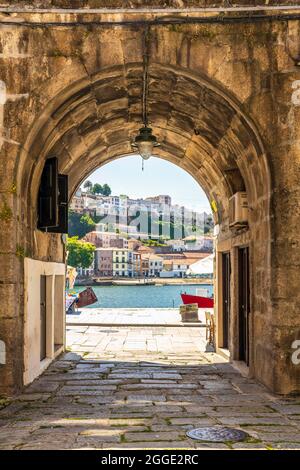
217, 434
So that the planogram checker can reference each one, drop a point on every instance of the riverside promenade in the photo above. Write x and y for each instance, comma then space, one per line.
131, 316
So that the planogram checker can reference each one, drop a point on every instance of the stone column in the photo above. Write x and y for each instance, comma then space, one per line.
11, 284
285, 247
12, 231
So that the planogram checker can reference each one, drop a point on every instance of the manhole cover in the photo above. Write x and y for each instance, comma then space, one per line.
217, 434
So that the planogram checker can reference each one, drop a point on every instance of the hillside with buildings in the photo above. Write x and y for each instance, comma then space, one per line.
139, 238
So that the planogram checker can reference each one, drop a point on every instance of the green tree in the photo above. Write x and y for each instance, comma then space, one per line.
80, 254
106, 191
87, 224
80, 225
97, 189
88, 185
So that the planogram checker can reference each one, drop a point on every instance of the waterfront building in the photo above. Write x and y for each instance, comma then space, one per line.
180, 268
106, 239
178, 265
137, 264
122, 262
104, 262
155, 265
145, 265
86, 272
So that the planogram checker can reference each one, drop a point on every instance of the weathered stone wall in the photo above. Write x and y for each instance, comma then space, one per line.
142, 4
220, 101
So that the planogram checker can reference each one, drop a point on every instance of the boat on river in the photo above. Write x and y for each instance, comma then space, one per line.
201, 298
79, 300
203, 302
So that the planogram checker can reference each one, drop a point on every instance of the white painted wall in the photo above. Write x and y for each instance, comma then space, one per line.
55, 315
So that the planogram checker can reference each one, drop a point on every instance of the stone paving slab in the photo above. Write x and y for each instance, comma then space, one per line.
128, 316
126, 398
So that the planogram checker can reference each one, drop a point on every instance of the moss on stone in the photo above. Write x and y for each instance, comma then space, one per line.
13, 188
56, 53
5, 213
4, 401
21, 252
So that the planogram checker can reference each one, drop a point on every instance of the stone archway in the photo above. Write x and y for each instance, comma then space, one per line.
74, 91
201, 129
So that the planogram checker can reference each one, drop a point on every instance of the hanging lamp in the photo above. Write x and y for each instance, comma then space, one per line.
145, 141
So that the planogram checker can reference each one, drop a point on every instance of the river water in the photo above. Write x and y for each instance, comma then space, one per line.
142, 296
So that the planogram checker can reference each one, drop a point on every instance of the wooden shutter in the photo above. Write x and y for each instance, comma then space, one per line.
48, 195
62, 226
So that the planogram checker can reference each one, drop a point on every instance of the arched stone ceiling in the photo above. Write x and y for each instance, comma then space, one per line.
198, 126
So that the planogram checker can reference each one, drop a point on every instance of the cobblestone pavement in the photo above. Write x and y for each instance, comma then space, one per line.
143, 388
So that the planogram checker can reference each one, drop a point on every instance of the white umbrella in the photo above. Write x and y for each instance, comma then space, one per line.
203, 266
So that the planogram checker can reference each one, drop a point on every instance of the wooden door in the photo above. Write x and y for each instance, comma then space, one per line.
226, 297
43, 319
244, 304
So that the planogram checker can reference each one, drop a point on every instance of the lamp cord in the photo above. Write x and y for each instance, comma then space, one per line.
146, 53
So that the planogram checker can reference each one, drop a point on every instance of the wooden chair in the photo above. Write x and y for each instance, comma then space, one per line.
207, 323
212, 329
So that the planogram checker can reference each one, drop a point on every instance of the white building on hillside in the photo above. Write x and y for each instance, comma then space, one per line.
176, 245
193, 243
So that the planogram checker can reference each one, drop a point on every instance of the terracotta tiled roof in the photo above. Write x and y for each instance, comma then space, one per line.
196, 255
145, 249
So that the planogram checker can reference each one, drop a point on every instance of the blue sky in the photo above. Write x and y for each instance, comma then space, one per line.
125, 176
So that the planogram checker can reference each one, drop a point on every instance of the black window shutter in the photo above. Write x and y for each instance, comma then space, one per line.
62, 226
48, 195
